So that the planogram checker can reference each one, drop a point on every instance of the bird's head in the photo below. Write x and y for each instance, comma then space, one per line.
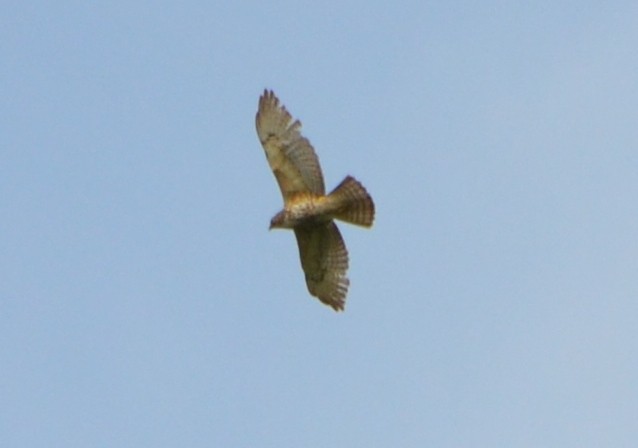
277, 221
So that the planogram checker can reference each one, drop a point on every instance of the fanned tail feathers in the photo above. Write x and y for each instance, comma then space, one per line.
355, 204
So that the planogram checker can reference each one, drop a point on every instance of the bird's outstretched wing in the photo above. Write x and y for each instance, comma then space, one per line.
290, 155
324, 259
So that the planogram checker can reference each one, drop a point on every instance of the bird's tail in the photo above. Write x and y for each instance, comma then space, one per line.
355, 204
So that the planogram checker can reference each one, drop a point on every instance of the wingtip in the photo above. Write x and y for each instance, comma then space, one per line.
268, 100
268, 94
337, 306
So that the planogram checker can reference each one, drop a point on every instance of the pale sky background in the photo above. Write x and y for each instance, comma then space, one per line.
143, 302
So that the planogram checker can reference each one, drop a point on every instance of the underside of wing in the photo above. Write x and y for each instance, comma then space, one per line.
324, 259
290, 155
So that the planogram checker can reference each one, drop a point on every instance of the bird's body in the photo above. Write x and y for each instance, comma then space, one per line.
307, 209
304, 209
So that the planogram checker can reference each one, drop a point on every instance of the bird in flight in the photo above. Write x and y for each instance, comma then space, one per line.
308, 210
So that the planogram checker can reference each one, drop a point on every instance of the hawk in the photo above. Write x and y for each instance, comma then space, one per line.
308, 210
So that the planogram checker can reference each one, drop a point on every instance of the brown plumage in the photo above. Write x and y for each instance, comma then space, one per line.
307, 209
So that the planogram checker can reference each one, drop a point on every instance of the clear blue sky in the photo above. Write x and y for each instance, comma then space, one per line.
143, 301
